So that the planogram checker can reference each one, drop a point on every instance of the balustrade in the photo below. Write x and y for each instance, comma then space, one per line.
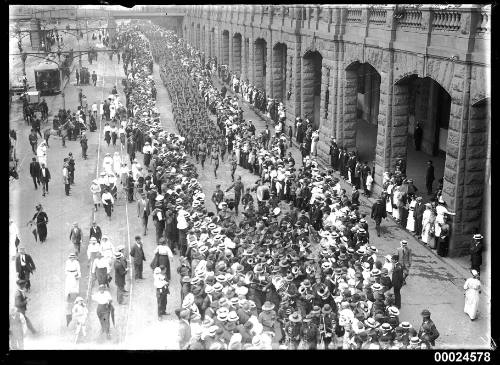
354, 15
483, 25
412, 18
378, 16
447, 20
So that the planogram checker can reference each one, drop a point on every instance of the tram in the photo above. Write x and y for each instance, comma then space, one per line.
48, 78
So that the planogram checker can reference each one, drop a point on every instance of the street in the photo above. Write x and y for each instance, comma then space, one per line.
432, 283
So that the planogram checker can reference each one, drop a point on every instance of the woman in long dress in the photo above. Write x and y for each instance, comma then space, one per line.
107, 164
95, 189
472, 289
73, 274
41, 153
396, 201
410, 223
107, 202
428, 224
388, 202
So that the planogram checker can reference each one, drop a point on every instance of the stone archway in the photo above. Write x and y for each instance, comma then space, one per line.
236, 54
279, 71
225, 48
311, 86
426, 102
260, 56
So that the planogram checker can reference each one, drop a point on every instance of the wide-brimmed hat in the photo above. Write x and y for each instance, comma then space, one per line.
477, 236
295, 317
268, 306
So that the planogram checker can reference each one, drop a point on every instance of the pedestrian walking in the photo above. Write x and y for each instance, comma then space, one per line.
107, 201
137, 252
100, 270
71, 168
33, 139
215, 160
79, 314
104, 309
476, 255
72, 279
427, 322
143, 211
162, 290
239, 189
75, 236
25, 266
77, 74
121, 270
38, 224
472, 289
95, 189
21, 303
66, 178
44, 178
41, 153
46, 136
94, 78
84, 144
397, 280
404, 257
162, 256
35, 172
378, 212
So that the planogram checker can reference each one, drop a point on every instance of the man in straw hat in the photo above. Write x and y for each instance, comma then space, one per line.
475, 250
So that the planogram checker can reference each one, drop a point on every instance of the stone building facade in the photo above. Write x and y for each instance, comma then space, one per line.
390, 65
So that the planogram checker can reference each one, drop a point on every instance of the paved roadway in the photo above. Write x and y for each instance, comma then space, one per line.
432, 284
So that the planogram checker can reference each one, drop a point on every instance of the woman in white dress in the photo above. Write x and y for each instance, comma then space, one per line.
73, 274
472, 289
428, 224
388, 201
410, 223
41, 153
95, 189
396, 201
107, 164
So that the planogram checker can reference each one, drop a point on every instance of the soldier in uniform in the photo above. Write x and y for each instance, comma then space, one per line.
238, 191
202, 152
217, 197
293, 331
433, 334
309, 334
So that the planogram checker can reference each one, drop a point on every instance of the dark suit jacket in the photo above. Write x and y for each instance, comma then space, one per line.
47, 175
76, 237
95, 233
120, 273
137, 253
35, 169
397, 276
429, 176
30, 265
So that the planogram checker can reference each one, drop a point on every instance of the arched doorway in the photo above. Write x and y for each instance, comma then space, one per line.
426, 103
236, 54
260, 56
279, 71
225, 48
311, 86
363, 107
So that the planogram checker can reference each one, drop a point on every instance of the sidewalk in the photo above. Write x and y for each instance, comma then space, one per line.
460, 265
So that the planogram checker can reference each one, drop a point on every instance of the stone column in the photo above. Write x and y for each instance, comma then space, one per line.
244, 59
236, 53
334, 85
251, 60
230, 52
258, 63
325, 126
269, 68
349, 104
385, 124
465, 162
296, 66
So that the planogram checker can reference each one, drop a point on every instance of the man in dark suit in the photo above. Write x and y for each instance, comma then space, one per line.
24, 266
378, 212
76, 237
429, 177
418, 214
137, 252
44, 178
120, 273
143, 211
397, 280
95, 231
35, 171
475, 250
